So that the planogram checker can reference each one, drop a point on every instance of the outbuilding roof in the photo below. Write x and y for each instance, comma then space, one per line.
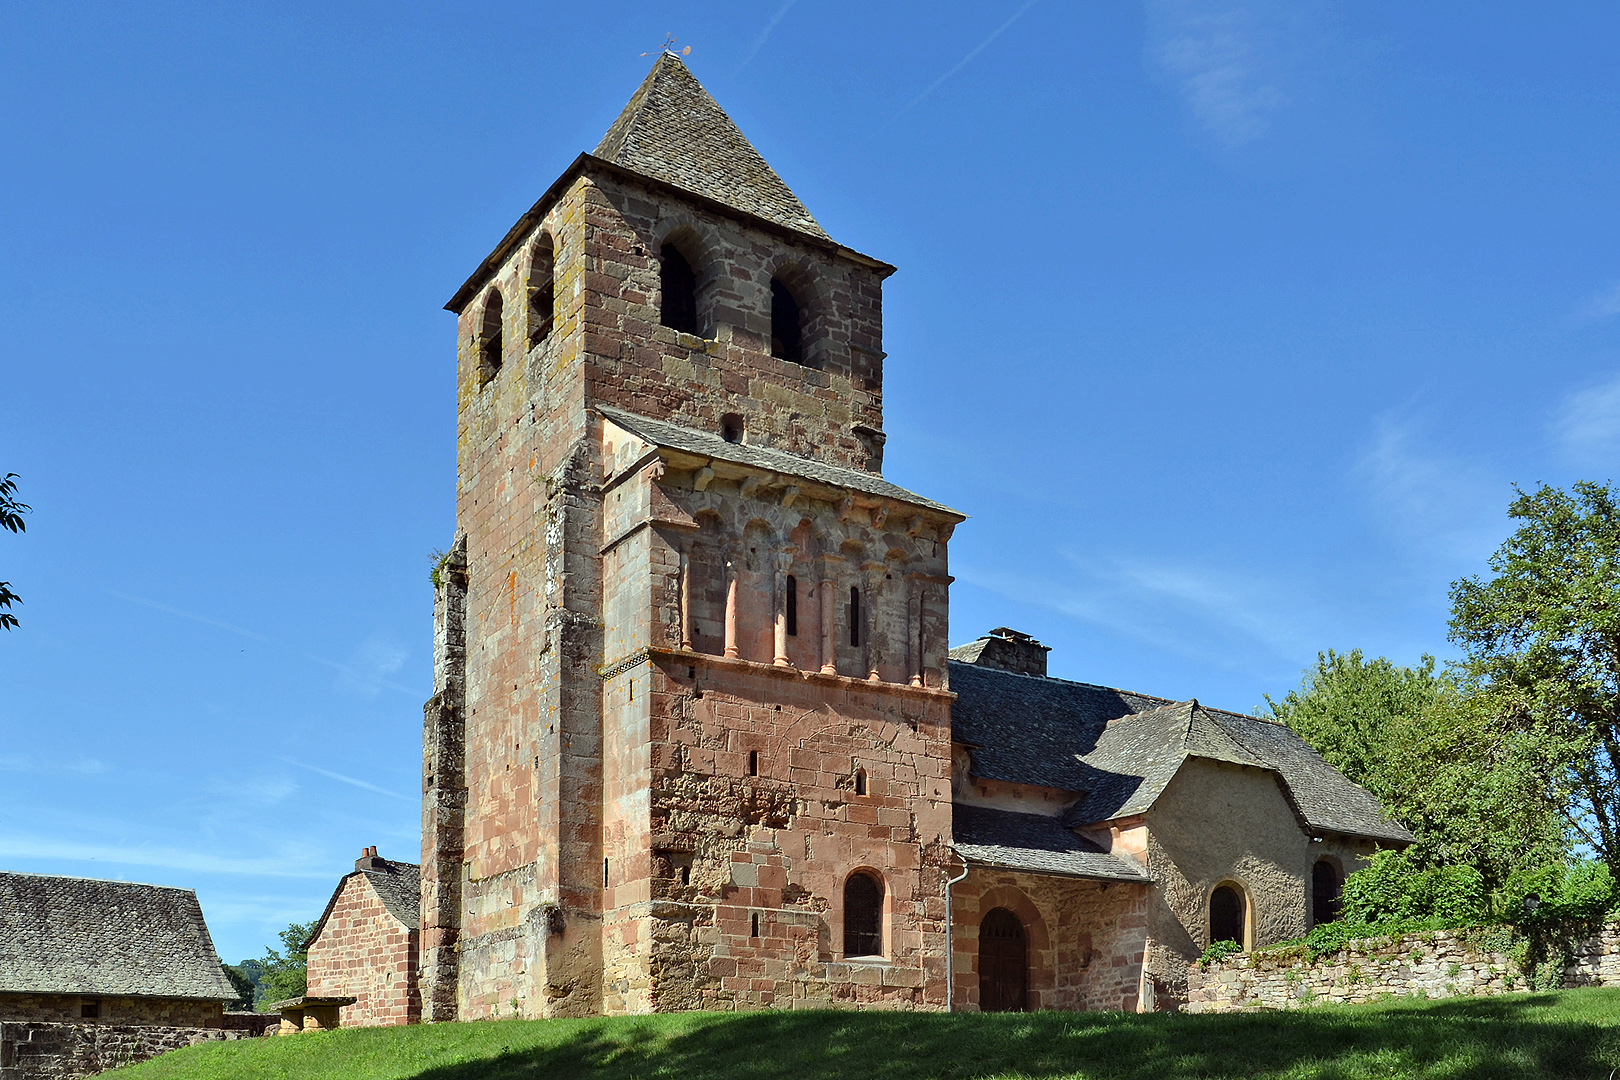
66, 935
709, 446
1120, 749
397, 884
1032, 842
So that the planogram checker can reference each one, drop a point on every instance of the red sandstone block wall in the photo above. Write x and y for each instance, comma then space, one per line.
364, 952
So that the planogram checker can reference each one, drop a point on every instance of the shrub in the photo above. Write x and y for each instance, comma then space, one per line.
1218, 952
1390, 887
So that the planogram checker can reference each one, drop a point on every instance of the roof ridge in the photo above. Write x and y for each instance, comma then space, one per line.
97, 880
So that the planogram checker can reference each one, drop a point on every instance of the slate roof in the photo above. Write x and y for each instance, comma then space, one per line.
64, 935
397, 884
1025, 729
1032, 842
673, 131
667, 435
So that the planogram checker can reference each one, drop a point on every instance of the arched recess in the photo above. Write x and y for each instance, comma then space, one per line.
542, 289
864, 903
1003, 962
706, 563
490, 346
1327, 890
1229, 914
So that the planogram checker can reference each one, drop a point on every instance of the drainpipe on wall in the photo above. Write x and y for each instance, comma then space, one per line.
950, 949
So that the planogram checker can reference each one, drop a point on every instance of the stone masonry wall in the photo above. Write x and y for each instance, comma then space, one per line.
1085, 939
755, 825
1437, 964
66, 1051
1444, 963
68, 1008
366, 953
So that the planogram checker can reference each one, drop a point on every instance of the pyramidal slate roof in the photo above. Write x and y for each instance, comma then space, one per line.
64, 935
1121, 749
673, 131
397, 884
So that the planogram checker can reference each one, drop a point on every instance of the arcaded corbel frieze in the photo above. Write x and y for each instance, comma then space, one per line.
750, 485
880, 516
702, 478
790, 495
846, 508
914, 526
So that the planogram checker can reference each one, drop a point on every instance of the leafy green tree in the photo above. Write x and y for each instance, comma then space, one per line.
285, 974
11, 518
1419, 742
1542, 638
246, 990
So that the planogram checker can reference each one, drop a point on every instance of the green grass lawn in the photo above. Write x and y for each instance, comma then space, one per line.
1571, 1035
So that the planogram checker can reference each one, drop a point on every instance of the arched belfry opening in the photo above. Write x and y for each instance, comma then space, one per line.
542, 290
1003, 963
677, 282
787, 324
490, 351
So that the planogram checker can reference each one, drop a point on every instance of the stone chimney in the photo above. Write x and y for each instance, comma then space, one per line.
368, 860
1005, 650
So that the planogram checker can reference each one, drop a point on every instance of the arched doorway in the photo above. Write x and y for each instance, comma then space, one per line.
1226, 915
1326, 892
1003, 963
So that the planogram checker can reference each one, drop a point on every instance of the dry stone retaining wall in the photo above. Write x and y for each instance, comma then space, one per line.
1445, 963
58, 1051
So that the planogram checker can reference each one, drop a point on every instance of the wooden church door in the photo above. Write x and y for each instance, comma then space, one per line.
1003, 963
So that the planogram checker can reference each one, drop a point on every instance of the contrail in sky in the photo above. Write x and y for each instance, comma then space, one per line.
962, 63
340, 778
359, 676
759, 42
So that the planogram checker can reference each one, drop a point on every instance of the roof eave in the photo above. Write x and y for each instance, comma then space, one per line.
536, 213
1135, 879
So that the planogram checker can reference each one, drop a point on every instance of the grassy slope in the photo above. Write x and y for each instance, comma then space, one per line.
1570, 1035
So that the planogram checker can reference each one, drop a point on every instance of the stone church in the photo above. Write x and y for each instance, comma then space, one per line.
697, 738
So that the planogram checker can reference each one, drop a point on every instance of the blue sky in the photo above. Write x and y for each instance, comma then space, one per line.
1230, 323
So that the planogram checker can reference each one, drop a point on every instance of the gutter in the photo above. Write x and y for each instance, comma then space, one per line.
950, 953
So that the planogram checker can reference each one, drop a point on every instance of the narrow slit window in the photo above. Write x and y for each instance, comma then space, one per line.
753, 930
786, 337
604, 873
854, 613
678, 282
860, 781
489, 338
792, 606
753, 763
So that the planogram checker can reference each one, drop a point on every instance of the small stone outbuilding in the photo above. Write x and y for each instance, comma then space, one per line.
100, 973
365, 945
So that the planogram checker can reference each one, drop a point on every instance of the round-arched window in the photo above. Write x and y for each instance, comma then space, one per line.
863, 915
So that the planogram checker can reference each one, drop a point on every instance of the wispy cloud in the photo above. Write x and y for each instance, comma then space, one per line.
57, 850
1232, 59
375, 661
764, 35
1223, 618
29, 763
350, 780
1586, 424
1436, 501
1602, 304
366, 673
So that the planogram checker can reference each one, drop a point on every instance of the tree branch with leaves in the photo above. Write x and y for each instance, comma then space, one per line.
11, 519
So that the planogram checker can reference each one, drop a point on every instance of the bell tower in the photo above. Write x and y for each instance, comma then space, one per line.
690, 713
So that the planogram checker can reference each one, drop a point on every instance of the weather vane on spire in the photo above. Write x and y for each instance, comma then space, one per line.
669, 47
